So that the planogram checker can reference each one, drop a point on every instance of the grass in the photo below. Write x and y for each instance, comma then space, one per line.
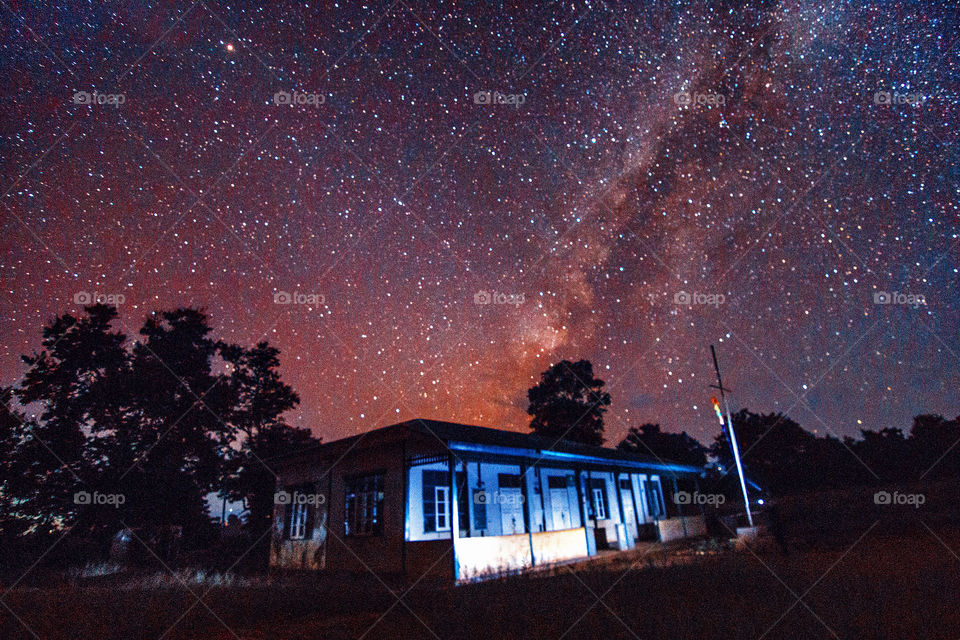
878, 578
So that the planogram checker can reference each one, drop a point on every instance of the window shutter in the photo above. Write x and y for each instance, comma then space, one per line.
287, 517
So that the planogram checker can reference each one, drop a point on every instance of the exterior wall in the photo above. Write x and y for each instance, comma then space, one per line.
503, 516
479, 557
608, 527
672, 528
415, 523
298, 554
309, 552
383, 552
430, 558
492, 555
556, 546
496, 501
329, 547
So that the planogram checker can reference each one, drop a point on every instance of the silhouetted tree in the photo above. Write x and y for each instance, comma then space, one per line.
14, 427
181, 436
569, 403
154, 421
934, 443
261, 400
775, 451
69, 382
886, 454
677, 447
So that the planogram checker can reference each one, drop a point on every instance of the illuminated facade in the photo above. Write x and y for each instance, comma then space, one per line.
436, 497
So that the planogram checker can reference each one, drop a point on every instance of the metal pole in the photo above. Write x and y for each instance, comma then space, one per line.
454, 516
527, 519
405, 484
733, 437
676, 490
736, 457
583, 516
543, 504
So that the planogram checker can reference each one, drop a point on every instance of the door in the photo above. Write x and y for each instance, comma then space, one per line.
511, 510
560, 508
629, 509
559, 503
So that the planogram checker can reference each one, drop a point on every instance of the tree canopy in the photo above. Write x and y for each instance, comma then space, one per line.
648, 439
135, 433
569, 403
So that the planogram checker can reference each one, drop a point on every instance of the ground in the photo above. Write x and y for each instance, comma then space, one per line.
872, 573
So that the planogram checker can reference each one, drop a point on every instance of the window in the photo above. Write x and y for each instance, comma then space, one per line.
436, 485
479, 509
364, 506
441, 501
509, 480
599, 506
298, 522
599, 487
300, 513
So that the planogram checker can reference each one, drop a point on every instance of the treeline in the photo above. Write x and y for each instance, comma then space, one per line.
784, 458
104, 432
569, 402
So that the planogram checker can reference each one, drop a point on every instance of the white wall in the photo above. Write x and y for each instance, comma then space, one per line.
415, 503
489, 475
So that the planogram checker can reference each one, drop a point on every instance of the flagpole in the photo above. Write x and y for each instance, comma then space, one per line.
733, 435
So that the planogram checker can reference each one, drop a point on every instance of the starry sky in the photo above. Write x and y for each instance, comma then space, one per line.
623, 182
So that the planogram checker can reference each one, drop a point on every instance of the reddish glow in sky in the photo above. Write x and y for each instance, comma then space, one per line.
639, 182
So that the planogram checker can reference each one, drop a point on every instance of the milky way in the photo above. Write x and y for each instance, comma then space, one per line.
622, 183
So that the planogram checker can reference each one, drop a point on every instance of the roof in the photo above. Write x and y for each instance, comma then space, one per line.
466, 437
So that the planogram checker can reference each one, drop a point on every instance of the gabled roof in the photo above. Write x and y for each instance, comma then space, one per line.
466, 437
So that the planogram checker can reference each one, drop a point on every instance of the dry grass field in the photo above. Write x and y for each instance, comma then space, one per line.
854, 570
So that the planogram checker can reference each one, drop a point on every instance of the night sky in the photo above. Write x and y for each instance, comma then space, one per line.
787, 163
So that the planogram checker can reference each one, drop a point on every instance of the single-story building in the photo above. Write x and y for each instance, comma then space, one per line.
424, 496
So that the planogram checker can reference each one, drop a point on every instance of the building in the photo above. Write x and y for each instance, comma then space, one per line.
383, 500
